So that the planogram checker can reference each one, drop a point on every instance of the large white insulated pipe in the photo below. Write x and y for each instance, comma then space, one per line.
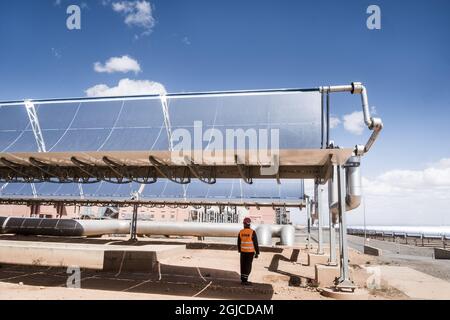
354, 187
193, 229
91, 228
353, 180
265, 232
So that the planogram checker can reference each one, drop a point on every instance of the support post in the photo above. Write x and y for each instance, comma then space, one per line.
308, 213
344, 282
319, 211
134, 223
331, 190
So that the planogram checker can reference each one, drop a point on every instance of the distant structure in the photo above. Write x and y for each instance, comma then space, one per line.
283, 216
166, 214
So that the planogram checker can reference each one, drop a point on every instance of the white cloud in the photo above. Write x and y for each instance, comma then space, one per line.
433, 181
402, 198
127, 87
137, 14
186, 41
434, 178
407, 197
334, 122
56, 53
122, 64
354, 122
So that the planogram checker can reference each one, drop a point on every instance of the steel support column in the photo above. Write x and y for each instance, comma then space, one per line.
134, 223
319, 211
308, 214
331, 189
344, 282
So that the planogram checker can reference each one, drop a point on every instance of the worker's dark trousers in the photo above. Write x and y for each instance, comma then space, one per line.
246, 265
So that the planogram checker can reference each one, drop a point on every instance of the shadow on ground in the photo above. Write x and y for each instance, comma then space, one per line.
162, 280
294, 280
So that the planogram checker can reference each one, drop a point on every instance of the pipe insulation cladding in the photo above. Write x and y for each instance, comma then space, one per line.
353, 182
92, 228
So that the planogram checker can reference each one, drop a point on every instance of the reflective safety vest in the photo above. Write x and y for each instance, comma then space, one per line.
246, 237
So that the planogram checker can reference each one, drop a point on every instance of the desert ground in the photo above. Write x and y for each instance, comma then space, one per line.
209, 269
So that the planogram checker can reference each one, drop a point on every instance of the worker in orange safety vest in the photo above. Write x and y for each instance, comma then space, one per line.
248, 248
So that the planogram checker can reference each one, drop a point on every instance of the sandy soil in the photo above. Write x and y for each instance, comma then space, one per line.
204, 272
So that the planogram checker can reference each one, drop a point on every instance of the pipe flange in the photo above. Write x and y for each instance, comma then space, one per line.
377, 124
357, 88
353, 162
360, 150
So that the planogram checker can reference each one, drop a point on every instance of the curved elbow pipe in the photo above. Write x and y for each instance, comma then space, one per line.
264, 233
287, 236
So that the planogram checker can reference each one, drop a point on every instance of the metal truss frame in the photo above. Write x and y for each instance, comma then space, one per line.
37, 171
151, 203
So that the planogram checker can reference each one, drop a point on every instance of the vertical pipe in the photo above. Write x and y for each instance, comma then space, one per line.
322, 120
331, 200
308, 213
344, 281
319, 208
328, 119
134, 223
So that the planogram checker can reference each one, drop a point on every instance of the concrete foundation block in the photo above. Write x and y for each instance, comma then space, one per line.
372, 251
441, 254
325, 275
314, 258
87, 256
129, 261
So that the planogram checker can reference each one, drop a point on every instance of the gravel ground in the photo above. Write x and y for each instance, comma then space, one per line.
417, 258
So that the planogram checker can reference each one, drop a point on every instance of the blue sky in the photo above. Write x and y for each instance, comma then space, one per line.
219, 45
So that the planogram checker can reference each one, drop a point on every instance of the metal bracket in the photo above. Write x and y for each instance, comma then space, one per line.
86, 167
122, 171
47, 170
200, 173
327, 170
244, 171
28, 178
169, 173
